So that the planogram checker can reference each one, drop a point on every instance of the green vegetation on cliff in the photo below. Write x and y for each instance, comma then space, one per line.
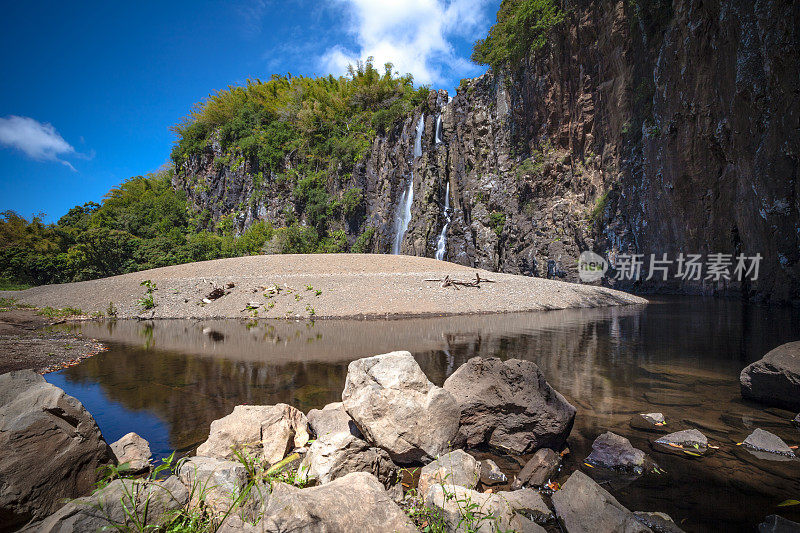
522, 27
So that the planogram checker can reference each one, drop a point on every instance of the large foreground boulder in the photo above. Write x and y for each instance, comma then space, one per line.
266, 431
509, 405
469, 511
398, 409
51, 448
775, 378
118, 507
355, 502
583, 506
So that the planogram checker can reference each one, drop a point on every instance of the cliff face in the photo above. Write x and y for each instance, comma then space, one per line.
642, 127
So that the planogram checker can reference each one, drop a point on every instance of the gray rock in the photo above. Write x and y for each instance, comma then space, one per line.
490, 512
687, 438
509, 405
335, 455
215, 481
541, 467
658, 522
135, 451
398, 409
583, 506
764, 441
330, 420
108, 509
654, 422
268, 431
51, 448
610, 450
778, 524
796, 421
355, 502
775, 378
491, 473
454, 468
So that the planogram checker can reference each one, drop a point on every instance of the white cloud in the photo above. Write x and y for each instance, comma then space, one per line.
415, 35
35, 139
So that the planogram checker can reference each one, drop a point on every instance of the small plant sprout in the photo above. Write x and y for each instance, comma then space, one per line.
147, 301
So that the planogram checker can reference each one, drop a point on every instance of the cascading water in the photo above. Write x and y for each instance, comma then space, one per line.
404, 216
441, 242
438, 129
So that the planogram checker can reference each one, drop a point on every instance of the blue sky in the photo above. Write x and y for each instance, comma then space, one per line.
90, 89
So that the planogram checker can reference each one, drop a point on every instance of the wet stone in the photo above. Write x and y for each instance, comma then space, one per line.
764, 441
491, 473
610, 450
689, 441
536, 472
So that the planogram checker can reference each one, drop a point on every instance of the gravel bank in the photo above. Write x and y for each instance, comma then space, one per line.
320, 286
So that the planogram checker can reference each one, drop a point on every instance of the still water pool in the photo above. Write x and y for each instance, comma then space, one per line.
168, 380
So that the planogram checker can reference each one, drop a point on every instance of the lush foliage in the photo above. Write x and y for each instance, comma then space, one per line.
141, 224
522, 28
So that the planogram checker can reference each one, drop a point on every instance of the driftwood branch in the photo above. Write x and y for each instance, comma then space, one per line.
455, 283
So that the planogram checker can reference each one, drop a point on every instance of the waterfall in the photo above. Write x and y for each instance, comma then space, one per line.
404, 215
441, 242
438, 129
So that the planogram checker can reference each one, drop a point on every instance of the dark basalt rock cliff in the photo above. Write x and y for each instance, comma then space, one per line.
642, 127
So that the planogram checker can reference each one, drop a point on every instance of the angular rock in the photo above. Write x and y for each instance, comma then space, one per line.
687, 438
135, 451
335, 455
107, 510
502, 511
658, 522
491, 473
583, 506
796, 421
398, 409
541, 467
654, 422
775, 378
217, 482
268, 431
51, 448
454, 468
610, 450
764, 441
509, 405
330, 420
355, 502
778, 524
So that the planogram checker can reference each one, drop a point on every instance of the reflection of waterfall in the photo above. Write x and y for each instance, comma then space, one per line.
438, 129
404, 215
441, 242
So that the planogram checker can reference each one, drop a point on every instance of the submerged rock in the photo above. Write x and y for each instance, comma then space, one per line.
583, 506
509, 405
335, 455
268, 431
52, 449
355, 502
796, 421
217, 482
456, 468
764, 441
135, 451
775, 378
778, 524
658, 522
610, 450
536, 472
502, 511
491, 473
113, 507
398, 409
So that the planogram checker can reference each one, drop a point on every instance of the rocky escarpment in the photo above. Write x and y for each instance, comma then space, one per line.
645, 127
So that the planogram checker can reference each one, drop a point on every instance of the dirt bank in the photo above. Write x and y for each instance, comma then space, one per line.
319, 286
